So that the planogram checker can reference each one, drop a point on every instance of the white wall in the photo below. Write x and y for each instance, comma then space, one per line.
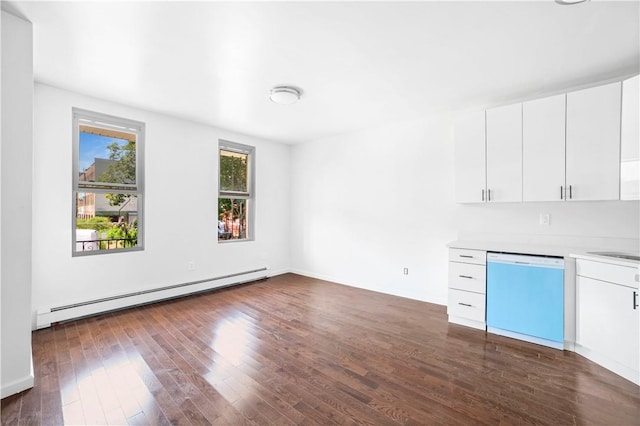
180, 207
367, 204
17, 132
603, 225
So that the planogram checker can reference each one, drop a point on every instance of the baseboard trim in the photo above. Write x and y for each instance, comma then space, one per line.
350, 284
279, 272
319, 277
19, 385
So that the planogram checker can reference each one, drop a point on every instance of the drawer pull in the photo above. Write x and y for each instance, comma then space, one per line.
465, 276
465, 304
466, 256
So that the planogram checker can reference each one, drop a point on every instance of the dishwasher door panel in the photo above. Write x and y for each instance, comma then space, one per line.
526, 299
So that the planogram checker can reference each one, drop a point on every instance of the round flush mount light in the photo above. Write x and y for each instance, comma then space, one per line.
570, 2
285, 95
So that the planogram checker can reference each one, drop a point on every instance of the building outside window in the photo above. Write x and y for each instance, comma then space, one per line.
235, 191
108, 183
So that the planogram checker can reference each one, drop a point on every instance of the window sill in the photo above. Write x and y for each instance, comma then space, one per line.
101, 252
244, 240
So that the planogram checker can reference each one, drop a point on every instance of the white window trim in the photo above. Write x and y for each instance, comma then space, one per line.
106, 121
250, 195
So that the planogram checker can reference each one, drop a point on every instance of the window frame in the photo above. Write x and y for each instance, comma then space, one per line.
107, 122
250, 195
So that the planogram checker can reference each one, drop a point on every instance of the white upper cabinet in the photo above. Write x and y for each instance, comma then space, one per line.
630, 140
584, 145
543, 146
504, 153
593, 143
470, 173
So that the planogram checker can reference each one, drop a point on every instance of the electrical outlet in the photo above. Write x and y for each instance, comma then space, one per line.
545, 218
406, 271
191, 265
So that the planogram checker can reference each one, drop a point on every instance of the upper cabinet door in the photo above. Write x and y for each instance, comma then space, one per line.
504, 153
593, 143
543, 131
630, 140
469, 157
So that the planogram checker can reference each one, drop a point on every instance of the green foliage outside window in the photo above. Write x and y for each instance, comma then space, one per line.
124, 230
234, 179
233, 171
98, 223
123, 170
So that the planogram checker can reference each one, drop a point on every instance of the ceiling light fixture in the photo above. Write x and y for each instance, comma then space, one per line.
285, 95
570, 2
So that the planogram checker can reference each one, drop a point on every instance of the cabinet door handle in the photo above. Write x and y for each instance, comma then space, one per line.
465, 276
561, 195
483, 195
570, 193
635, 300
488, 195
465, 304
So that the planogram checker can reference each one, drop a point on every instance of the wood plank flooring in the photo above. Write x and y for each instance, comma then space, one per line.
295, 350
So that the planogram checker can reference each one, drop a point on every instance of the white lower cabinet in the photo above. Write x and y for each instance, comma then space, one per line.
467, 287
467, 305
467, 277
608, 316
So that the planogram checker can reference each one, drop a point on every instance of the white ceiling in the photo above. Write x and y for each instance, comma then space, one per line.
359, 64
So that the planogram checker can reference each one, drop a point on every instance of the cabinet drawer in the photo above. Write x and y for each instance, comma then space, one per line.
468, 256
466, 305
468, 276
617, 274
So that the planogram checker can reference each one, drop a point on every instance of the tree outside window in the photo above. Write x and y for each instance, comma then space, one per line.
107, 183
235, 191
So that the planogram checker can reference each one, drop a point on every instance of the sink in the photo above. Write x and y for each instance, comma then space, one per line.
617, 255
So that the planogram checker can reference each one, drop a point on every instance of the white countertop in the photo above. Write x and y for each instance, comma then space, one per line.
544, 250
606, 259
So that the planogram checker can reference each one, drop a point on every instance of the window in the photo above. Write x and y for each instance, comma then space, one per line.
235, 191
108, 183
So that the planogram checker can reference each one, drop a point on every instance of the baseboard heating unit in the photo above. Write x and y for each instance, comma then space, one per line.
48, 316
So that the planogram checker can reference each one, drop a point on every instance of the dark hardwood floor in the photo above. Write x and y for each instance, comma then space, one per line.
295, 350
